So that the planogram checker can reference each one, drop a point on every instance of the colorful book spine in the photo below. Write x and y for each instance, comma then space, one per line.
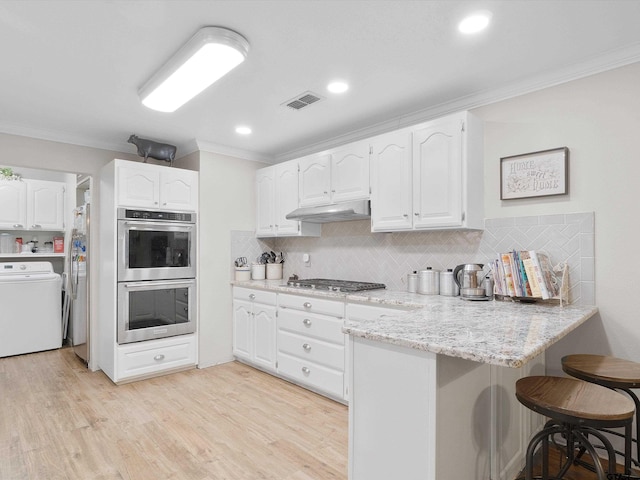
508, 274
539, 276
531, 276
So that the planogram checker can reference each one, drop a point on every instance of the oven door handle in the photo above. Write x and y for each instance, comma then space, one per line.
147, 225
156, 283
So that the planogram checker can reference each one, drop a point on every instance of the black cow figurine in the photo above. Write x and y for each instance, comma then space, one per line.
149, 148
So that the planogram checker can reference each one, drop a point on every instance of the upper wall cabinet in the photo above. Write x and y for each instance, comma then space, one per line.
45, 205
276, 196
336, 176
154, 186
441, 164
32, 205
13, 198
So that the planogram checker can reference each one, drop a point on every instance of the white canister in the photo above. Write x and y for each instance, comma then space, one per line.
412, 282
429, 282
243, 274
274, 271
257, 271
448, 286
7, 243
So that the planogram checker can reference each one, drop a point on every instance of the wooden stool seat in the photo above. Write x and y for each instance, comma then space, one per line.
573, 401
577, 411
604, 370
617, 373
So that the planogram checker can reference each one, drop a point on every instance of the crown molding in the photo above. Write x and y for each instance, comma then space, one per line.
232, 152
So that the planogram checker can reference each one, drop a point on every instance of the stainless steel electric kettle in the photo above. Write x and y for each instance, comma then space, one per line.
466, 277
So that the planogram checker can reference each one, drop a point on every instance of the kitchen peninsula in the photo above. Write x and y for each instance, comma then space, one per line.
430, 380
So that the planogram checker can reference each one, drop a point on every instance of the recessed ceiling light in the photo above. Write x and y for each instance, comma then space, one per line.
475, 22
243, 130
337, 87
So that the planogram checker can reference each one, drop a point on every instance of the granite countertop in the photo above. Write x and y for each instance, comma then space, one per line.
501, 333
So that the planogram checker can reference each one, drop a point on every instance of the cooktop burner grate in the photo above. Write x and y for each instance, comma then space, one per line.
334, 285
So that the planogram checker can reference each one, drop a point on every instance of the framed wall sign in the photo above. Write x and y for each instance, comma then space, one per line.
537, 174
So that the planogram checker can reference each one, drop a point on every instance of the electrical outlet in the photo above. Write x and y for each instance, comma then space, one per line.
306, 259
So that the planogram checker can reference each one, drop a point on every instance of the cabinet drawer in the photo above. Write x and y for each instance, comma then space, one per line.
310, 349
153, 356
312, 304
254, 295
312, 374
309, 324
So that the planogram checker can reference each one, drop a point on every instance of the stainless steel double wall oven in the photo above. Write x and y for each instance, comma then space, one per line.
156, 274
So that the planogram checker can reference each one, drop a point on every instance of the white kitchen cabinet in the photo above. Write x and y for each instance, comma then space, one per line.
276, 196
350, 172
140, 360
446, 171
32, 205
265, 202
13, 198
45, 205
155, 186
311, 345
254, 327
315, 180
412, 412
391, 182
339, 175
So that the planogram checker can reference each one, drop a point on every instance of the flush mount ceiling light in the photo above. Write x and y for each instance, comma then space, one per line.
475, 22
242, 130
338, 87
208, 55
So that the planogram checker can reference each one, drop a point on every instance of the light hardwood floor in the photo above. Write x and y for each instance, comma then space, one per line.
60, 421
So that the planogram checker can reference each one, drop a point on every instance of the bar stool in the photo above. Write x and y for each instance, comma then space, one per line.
577, 410
610, 372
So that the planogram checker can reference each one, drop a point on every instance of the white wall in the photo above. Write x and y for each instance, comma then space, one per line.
227, 202
598, 119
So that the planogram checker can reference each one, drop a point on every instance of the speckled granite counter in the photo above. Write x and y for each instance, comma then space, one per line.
499, 333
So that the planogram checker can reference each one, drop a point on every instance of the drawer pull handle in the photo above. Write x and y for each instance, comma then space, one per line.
307, 322
158, 358
17, 225
306, 370
306, 346
306, 305
252, 296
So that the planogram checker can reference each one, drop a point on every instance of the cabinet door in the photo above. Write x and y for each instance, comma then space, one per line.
350, 172
286, 196
265, 202
45, 205
315, 180
264, 336
242, 329
13, 198
138, 186
391, 199
437, 174
179, 189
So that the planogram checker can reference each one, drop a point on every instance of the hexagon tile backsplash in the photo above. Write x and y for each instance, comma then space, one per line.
350, 251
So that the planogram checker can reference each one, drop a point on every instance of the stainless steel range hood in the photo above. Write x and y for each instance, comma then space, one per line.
339, 212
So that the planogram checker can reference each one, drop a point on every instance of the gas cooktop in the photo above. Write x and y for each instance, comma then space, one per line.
334, 285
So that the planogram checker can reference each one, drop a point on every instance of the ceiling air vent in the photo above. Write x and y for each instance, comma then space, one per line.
303, 100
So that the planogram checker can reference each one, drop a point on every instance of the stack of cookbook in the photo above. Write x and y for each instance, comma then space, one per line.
525, 274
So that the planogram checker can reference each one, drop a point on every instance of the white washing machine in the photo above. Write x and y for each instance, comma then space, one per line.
30, 308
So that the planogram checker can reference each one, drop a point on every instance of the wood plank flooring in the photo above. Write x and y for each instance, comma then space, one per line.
59, 421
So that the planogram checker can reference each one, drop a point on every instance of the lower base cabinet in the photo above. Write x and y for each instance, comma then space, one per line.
417, 415
141, 359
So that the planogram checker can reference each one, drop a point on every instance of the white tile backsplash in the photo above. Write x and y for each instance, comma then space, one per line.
350, 251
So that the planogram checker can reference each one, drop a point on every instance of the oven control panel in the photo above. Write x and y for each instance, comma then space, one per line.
156, 215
